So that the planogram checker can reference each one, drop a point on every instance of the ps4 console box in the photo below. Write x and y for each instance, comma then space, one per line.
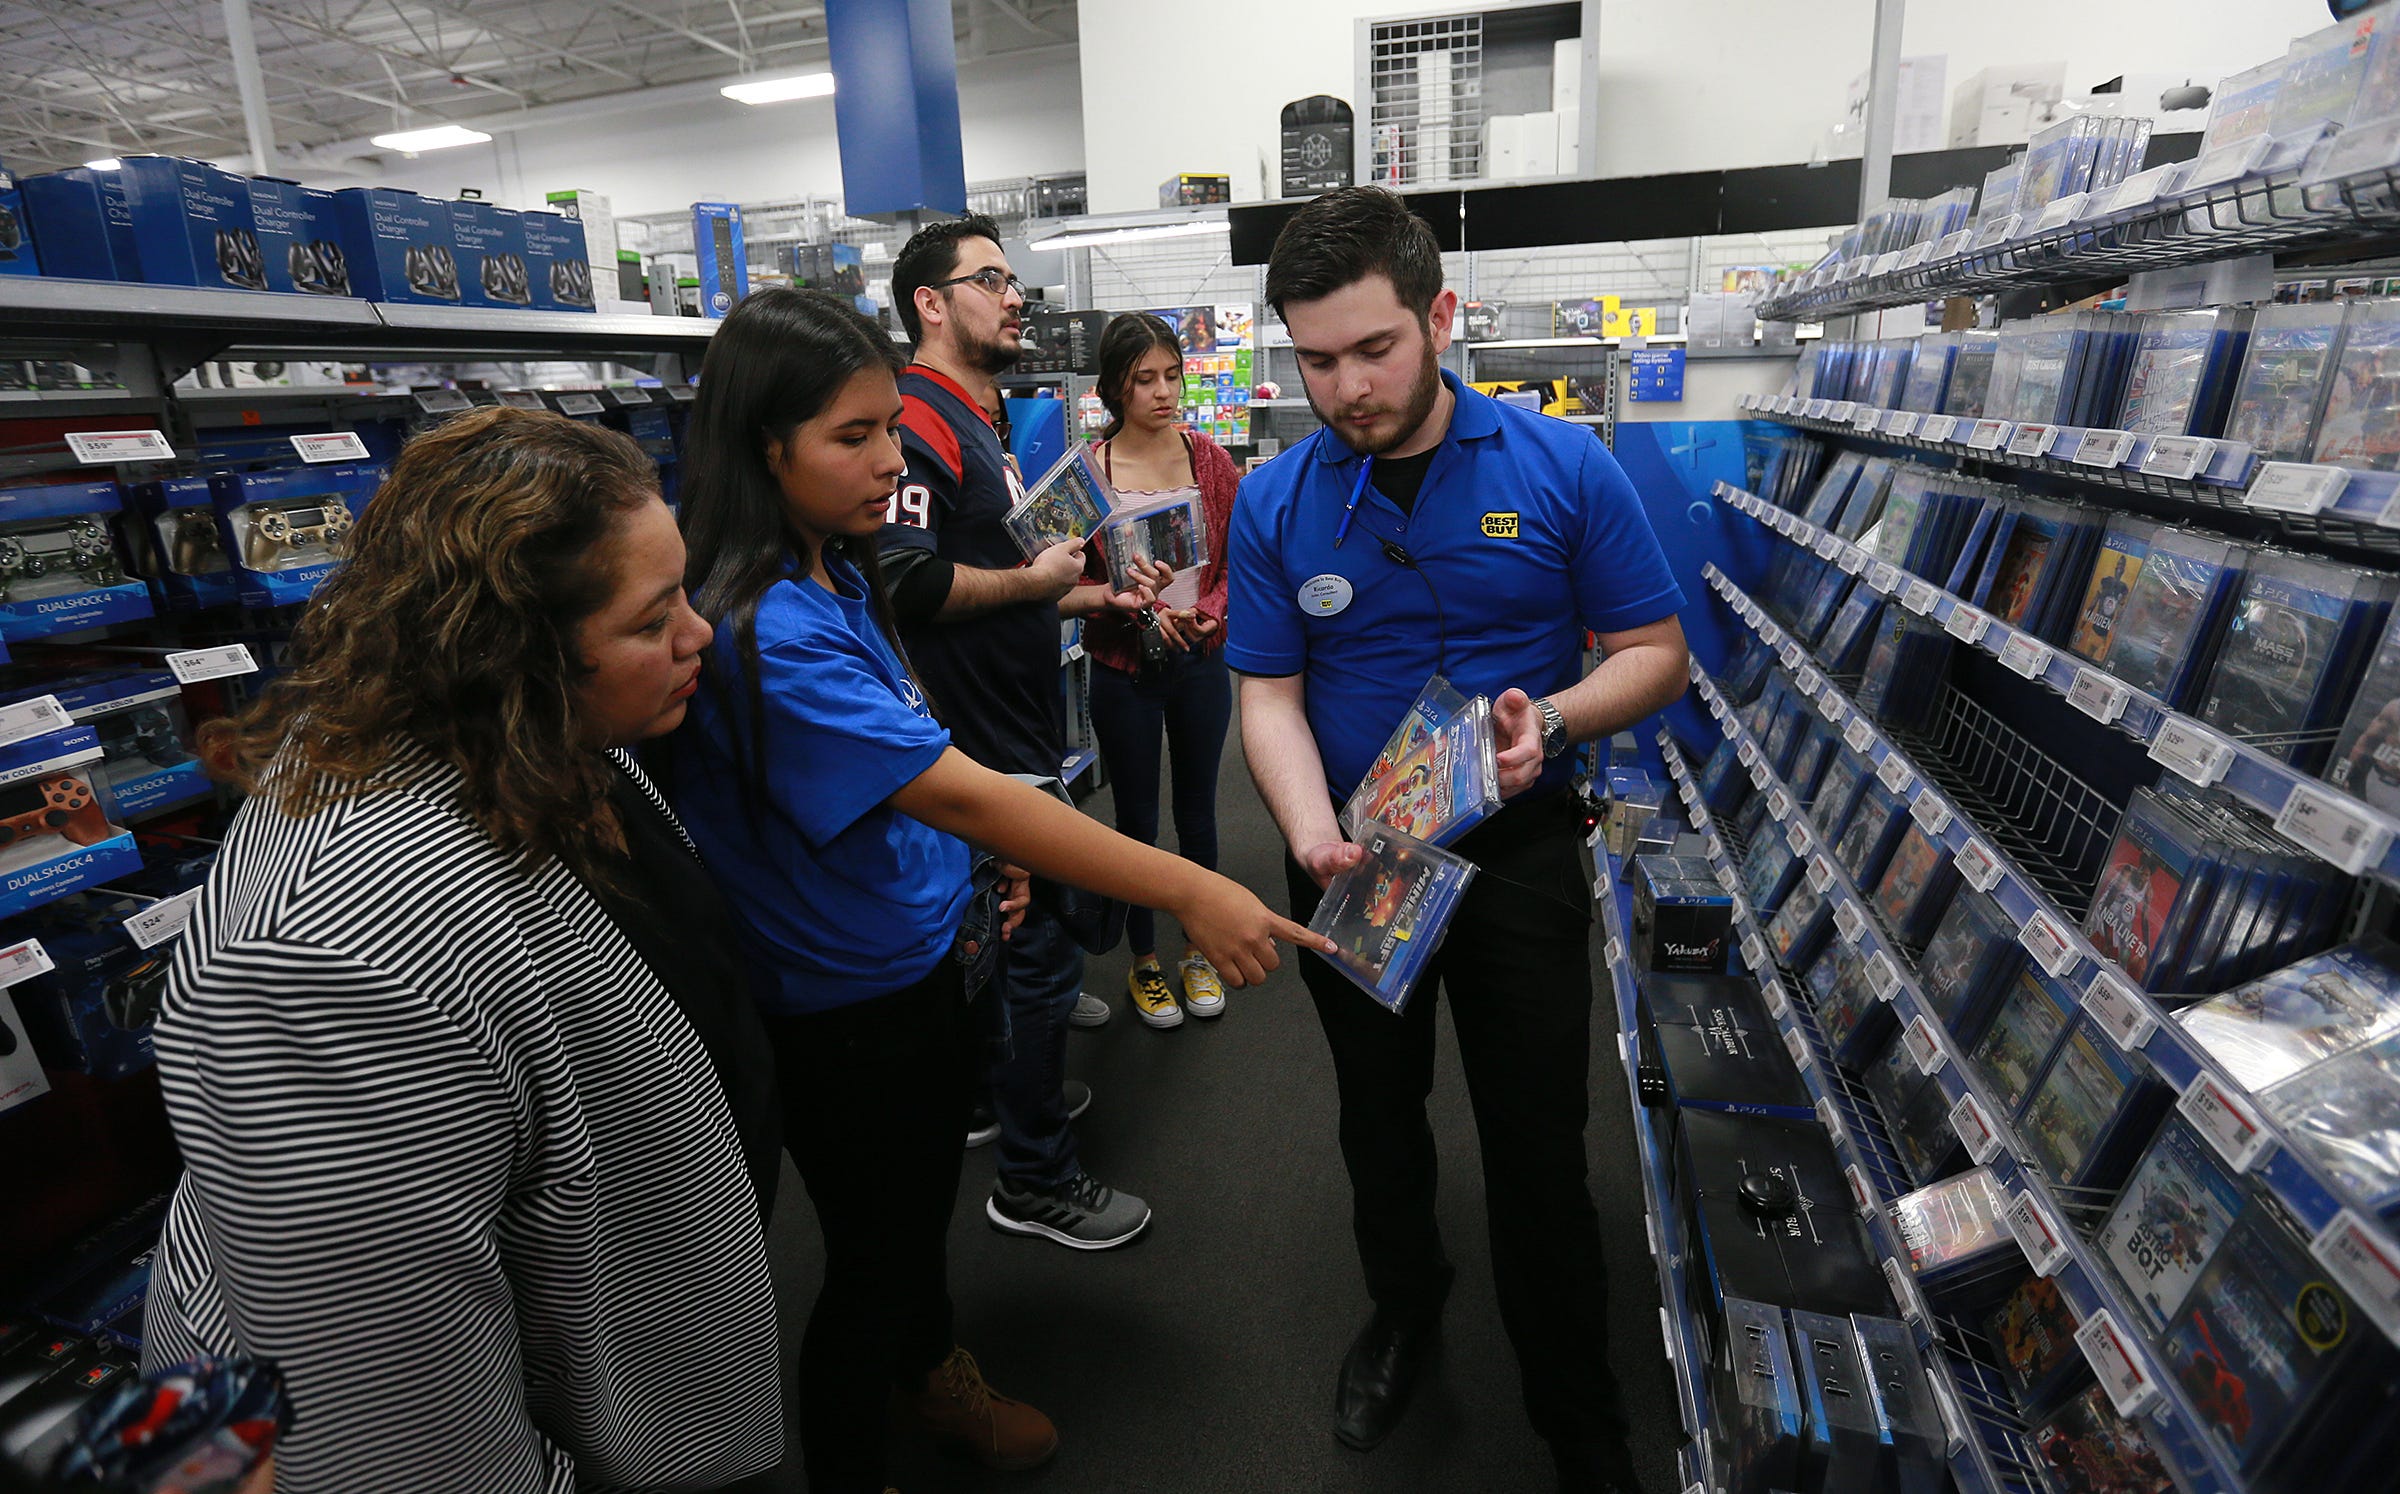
298, 237
193, 224
492, 270
69, 225
17, 254
399, 245
556, 264
724, 267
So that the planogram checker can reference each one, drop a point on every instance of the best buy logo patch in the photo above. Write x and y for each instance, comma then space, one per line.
1500, 526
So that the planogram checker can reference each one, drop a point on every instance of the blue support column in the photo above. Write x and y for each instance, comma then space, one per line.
895, 108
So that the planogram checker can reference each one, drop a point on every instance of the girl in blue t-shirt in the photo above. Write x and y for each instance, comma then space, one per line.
824, 793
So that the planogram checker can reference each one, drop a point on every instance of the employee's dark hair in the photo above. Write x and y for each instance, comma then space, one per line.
774, 364
931, 256
1124, 342
1343, 237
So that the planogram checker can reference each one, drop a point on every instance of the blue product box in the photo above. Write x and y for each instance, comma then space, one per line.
298, 237
124, 247
286, 530
724, 268
59, 827
491, 256
145, 734
556, 268
16, 240
70, 227
400, 245
186, 565
193, 224
59, 565
94, 1012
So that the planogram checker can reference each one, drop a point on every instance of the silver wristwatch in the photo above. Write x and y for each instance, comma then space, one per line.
1554, 729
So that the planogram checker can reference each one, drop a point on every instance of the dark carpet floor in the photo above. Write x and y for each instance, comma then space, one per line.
1202, 1357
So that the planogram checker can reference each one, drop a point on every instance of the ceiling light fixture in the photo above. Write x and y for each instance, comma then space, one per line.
780, 90
1101, 238
439, 137
104, 163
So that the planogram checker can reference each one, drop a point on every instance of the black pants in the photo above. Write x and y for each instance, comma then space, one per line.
1516, 966
875, 1099
1185, 705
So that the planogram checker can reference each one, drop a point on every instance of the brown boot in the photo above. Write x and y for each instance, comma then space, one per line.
963, 1414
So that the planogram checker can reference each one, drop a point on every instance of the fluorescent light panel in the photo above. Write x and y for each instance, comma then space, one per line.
780, 90
439, 137
1101, 238
104, 163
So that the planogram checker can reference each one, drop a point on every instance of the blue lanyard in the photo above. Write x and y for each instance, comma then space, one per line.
1358, 490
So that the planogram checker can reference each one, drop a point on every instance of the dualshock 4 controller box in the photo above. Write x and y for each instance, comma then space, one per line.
59, 566
193, 224
298, 236
724, 269
145, 734
21, 1076
286, 530
59, 827
184, 548
1682, 917
492, 269
400, 245
17, 256
555, 264
69, 224
93, 1012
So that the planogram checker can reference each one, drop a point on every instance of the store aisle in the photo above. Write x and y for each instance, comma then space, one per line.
1202, 1357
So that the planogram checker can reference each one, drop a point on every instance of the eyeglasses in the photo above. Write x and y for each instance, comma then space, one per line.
992, 278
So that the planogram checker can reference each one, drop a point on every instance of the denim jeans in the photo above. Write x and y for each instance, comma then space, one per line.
1185, 704
1040, 975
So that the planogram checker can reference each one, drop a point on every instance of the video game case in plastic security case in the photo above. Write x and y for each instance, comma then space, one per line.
2360, 426
1438, 775
1071, 502
1386, 916
2281, 388
2165, 637
1167, 531
2267, 1030
2297, 637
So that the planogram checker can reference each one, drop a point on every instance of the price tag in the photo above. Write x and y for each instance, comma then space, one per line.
1952, 245
1790, 654
1830, 1120
2119, 1012
1829, 544
1810, 682
1862, 1196
1867, 420
1612, 952
1938, 427
2047, 942
1714, 848
526, 399
1860, 736
1797, 1046
1852, 560
2099, 696
1748, 401
2335, 828
1978, 866
2111, 1356
1883, 577
1967, 624
1728, 725
2038, 1235
1900, 423
1915, 255
2296, 487
1758, 776
1883, 977
1814, 409
1747, 754
1832, 707
2000, 231
1987, 435
1954, 1418
2226, 1119
30, 718
1975, 1129
2137, 190
580, 404
1841, 410
2361, 1259
2192, 750
1779, 804
1796, 836
2061, 212
1777, 1007
23, 962
449, 402
1919, 597
1849, 920
2032, 440
1924, 1048
100, 448
1726, 879
2104, 448
1930, 813
2181, 458
1904, 1292
1820, 877
196, 664
1894, 774
2025, 655
164, 919
1754, 953
332, 446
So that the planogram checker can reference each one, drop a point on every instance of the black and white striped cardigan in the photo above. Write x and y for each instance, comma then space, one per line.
458, 1164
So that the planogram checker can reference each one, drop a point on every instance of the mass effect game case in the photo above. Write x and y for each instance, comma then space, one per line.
2281, 388
1438, 775
1386, 916
1071, 502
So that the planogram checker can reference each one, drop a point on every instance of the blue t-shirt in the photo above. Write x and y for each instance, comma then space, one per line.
1525, 534
840, 896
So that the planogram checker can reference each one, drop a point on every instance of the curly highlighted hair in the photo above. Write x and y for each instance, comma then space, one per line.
450, 635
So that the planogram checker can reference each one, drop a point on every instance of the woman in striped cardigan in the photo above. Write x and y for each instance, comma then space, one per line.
476, 1119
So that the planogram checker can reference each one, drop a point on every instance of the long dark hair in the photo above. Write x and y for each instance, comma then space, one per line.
1125, 342
775, 364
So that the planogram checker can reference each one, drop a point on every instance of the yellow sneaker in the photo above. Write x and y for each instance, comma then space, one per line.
1203, 989
1153, 1002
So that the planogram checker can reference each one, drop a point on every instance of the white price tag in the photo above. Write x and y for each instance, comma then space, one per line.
2098, 695
1986, 435
1998, 231
1612, 952
2033, 440
1894, 774
2137, 190
1829, 544
1883, 577
2226, 1119
1952, 245
2047, 941
99, 448
2335, 828
23, 962
1978, 866
193, 665
1797, 1046
451, 401
1919, 597
1938, 427
1790, 654
1849, 920
1967, 624
1841, 410
1715, 848
1779, 804
1975, 1129
1795, 835
1867, 420
1820, 877
31, 718
2104, 448
1862, 1194
2112, 1359
2181, 458
2120, 1013
1832, 707
1813, 409
1924, 1048
1754, 953
1904, 1291
580, 404
1831, 1120
2025, 655
1860, 736
2360, 1258
1810, 682
1777, 1007
1883, 977
1931, 814
1852, 560
2296, 487
165, 919
1728, 725
2192, 750
1900, 423
1747, 754
1748, 402
2061, 212
1915, 255
331, 446
1954, 1417
2038, 1235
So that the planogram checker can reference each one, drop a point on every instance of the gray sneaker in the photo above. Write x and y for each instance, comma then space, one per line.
1082, 1213
1090, 1011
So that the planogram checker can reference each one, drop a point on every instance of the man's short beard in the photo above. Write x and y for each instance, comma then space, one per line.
997, 356
1421, 396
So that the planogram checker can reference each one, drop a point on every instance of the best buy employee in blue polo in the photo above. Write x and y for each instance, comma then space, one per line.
1429, 529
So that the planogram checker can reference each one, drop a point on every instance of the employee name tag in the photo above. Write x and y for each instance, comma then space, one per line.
1325, 595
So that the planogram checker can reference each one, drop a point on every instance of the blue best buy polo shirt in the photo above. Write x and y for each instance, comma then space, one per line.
1526, 531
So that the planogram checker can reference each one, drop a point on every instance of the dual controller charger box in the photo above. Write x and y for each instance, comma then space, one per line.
192, 224
556, 262
69, 223
299, 238
400, 245
492, 267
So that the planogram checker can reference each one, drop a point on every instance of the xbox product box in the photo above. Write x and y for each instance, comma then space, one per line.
724, 267
193, 224
1682, 917
492, 269
400, 245
556, 264
69, 225
298, 238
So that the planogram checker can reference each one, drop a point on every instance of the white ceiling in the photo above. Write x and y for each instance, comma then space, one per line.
87, 78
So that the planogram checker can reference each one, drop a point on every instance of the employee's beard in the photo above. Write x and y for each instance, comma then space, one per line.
1413, 415
998, 355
